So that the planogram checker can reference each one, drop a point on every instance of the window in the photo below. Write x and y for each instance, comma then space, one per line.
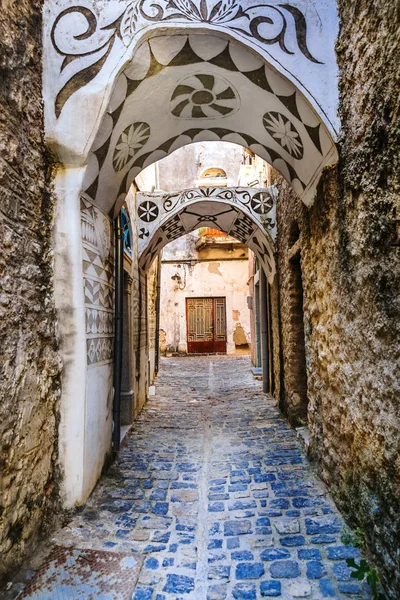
213, 173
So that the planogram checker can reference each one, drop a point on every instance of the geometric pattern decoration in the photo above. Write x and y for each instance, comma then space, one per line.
202, 96
99, 349
247, 214
98, 294
99, 321
181, 89
98, 283
82, 42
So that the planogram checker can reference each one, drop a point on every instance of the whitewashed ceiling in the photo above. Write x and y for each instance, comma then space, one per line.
185, 88
88, 44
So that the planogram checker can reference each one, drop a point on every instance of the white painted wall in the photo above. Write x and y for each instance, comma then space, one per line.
98, 423
183, 168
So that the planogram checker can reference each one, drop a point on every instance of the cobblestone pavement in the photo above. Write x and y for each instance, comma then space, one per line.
213, 488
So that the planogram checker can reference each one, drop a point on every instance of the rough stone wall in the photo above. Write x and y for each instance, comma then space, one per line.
29, 380
277, 362
293, 395
351, 281
352, 356
369, 58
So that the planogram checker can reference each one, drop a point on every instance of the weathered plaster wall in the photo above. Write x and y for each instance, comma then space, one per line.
151, 316
253, 325
351, 282
29, 379
184, 167
208, 278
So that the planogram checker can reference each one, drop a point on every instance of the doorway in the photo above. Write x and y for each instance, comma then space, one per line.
206, 325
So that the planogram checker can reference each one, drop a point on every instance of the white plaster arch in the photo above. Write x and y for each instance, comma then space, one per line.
186, 88
247, 214
86, 46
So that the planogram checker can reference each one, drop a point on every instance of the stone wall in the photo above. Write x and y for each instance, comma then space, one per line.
292, 215
29, 388
350, 275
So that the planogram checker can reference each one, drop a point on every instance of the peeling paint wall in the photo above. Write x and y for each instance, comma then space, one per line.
203, 278
29, 362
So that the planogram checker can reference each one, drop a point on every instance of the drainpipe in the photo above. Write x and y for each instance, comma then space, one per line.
158, 303
118, 324
264, 331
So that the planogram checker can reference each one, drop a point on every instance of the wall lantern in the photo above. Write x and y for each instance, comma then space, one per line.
178, 280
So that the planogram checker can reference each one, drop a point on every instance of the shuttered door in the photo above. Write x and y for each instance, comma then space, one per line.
206, 325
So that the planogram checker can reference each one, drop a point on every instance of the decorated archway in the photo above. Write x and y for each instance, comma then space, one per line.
186, 88
267, 72
248, 214
128, 82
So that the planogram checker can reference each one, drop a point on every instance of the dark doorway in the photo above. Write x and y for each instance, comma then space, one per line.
206, 325
297, 357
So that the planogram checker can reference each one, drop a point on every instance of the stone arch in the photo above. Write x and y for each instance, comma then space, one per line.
248, 214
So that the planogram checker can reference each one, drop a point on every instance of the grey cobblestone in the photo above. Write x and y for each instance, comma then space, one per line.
213, 487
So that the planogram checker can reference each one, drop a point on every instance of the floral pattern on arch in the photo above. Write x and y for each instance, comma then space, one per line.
131, 140
284, 132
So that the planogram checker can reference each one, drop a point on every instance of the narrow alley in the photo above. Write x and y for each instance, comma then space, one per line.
212, 490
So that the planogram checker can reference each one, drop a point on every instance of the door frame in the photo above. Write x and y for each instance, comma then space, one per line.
214, 346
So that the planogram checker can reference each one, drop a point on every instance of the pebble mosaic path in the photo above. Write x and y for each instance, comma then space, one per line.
213, 487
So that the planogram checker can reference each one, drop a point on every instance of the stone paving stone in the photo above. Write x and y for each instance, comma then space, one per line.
214, 489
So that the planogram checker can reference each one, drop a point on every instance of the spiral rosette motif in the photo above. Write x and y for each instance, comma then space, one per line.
203, 96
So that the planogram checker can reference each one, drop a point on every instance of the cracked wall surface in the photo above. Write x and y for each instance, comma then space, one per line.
29, 388
351, 282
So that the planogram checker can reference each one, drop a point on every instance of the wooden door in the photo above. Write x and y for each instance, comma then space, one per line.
206, 325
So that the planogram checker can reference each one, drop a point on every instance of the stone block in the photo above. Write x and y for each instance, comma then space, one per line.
293, 540
299, 589
244, 591
341, 552
271, 589
178, 584
286, 526
233, 528
284, 569
315, 569
274, 554
249, 570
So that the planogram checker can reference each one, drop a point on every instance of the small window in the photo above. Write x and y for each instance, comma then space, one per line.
213, 173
